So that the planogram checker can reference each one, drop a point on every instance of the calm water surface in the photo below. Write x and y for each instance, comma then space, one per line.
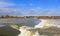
28, 22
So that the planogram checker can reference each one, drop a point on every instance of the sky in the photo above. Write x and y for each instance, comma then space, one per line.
30, 7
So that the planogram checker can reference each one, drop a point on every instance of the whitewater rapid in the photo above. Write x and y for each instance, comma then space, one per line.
48, 22
27, 31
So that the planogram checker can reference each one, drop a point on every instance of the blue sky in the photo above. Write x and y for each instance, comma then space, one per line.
30, 7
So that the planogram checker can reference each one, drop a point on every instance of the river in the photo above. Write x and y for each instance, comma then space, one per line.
28, 22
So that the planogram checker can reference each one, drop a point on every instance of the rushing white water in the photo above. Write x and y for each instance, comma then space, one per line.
44, 23
26, 32
48, 22
36, 34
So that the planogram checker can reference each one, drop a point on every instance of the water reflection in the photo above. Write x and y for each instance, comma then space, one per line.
27, 22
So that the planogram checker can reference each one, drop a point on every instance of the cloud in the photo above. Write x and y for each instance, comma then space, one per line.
5, 4
12, 11
44, 12
30, 12
33, 11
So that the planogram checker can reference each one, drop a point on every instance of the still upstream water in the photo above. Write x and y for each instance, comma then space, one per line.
27, 22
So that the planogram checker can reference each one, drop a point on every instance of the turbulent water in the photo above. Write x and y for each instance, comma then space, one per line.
34, 31
32, 27
48, 22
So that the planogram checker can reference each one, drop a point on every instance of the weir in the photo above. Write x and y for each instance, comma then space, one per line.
31, 20
45, 22
48, 23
